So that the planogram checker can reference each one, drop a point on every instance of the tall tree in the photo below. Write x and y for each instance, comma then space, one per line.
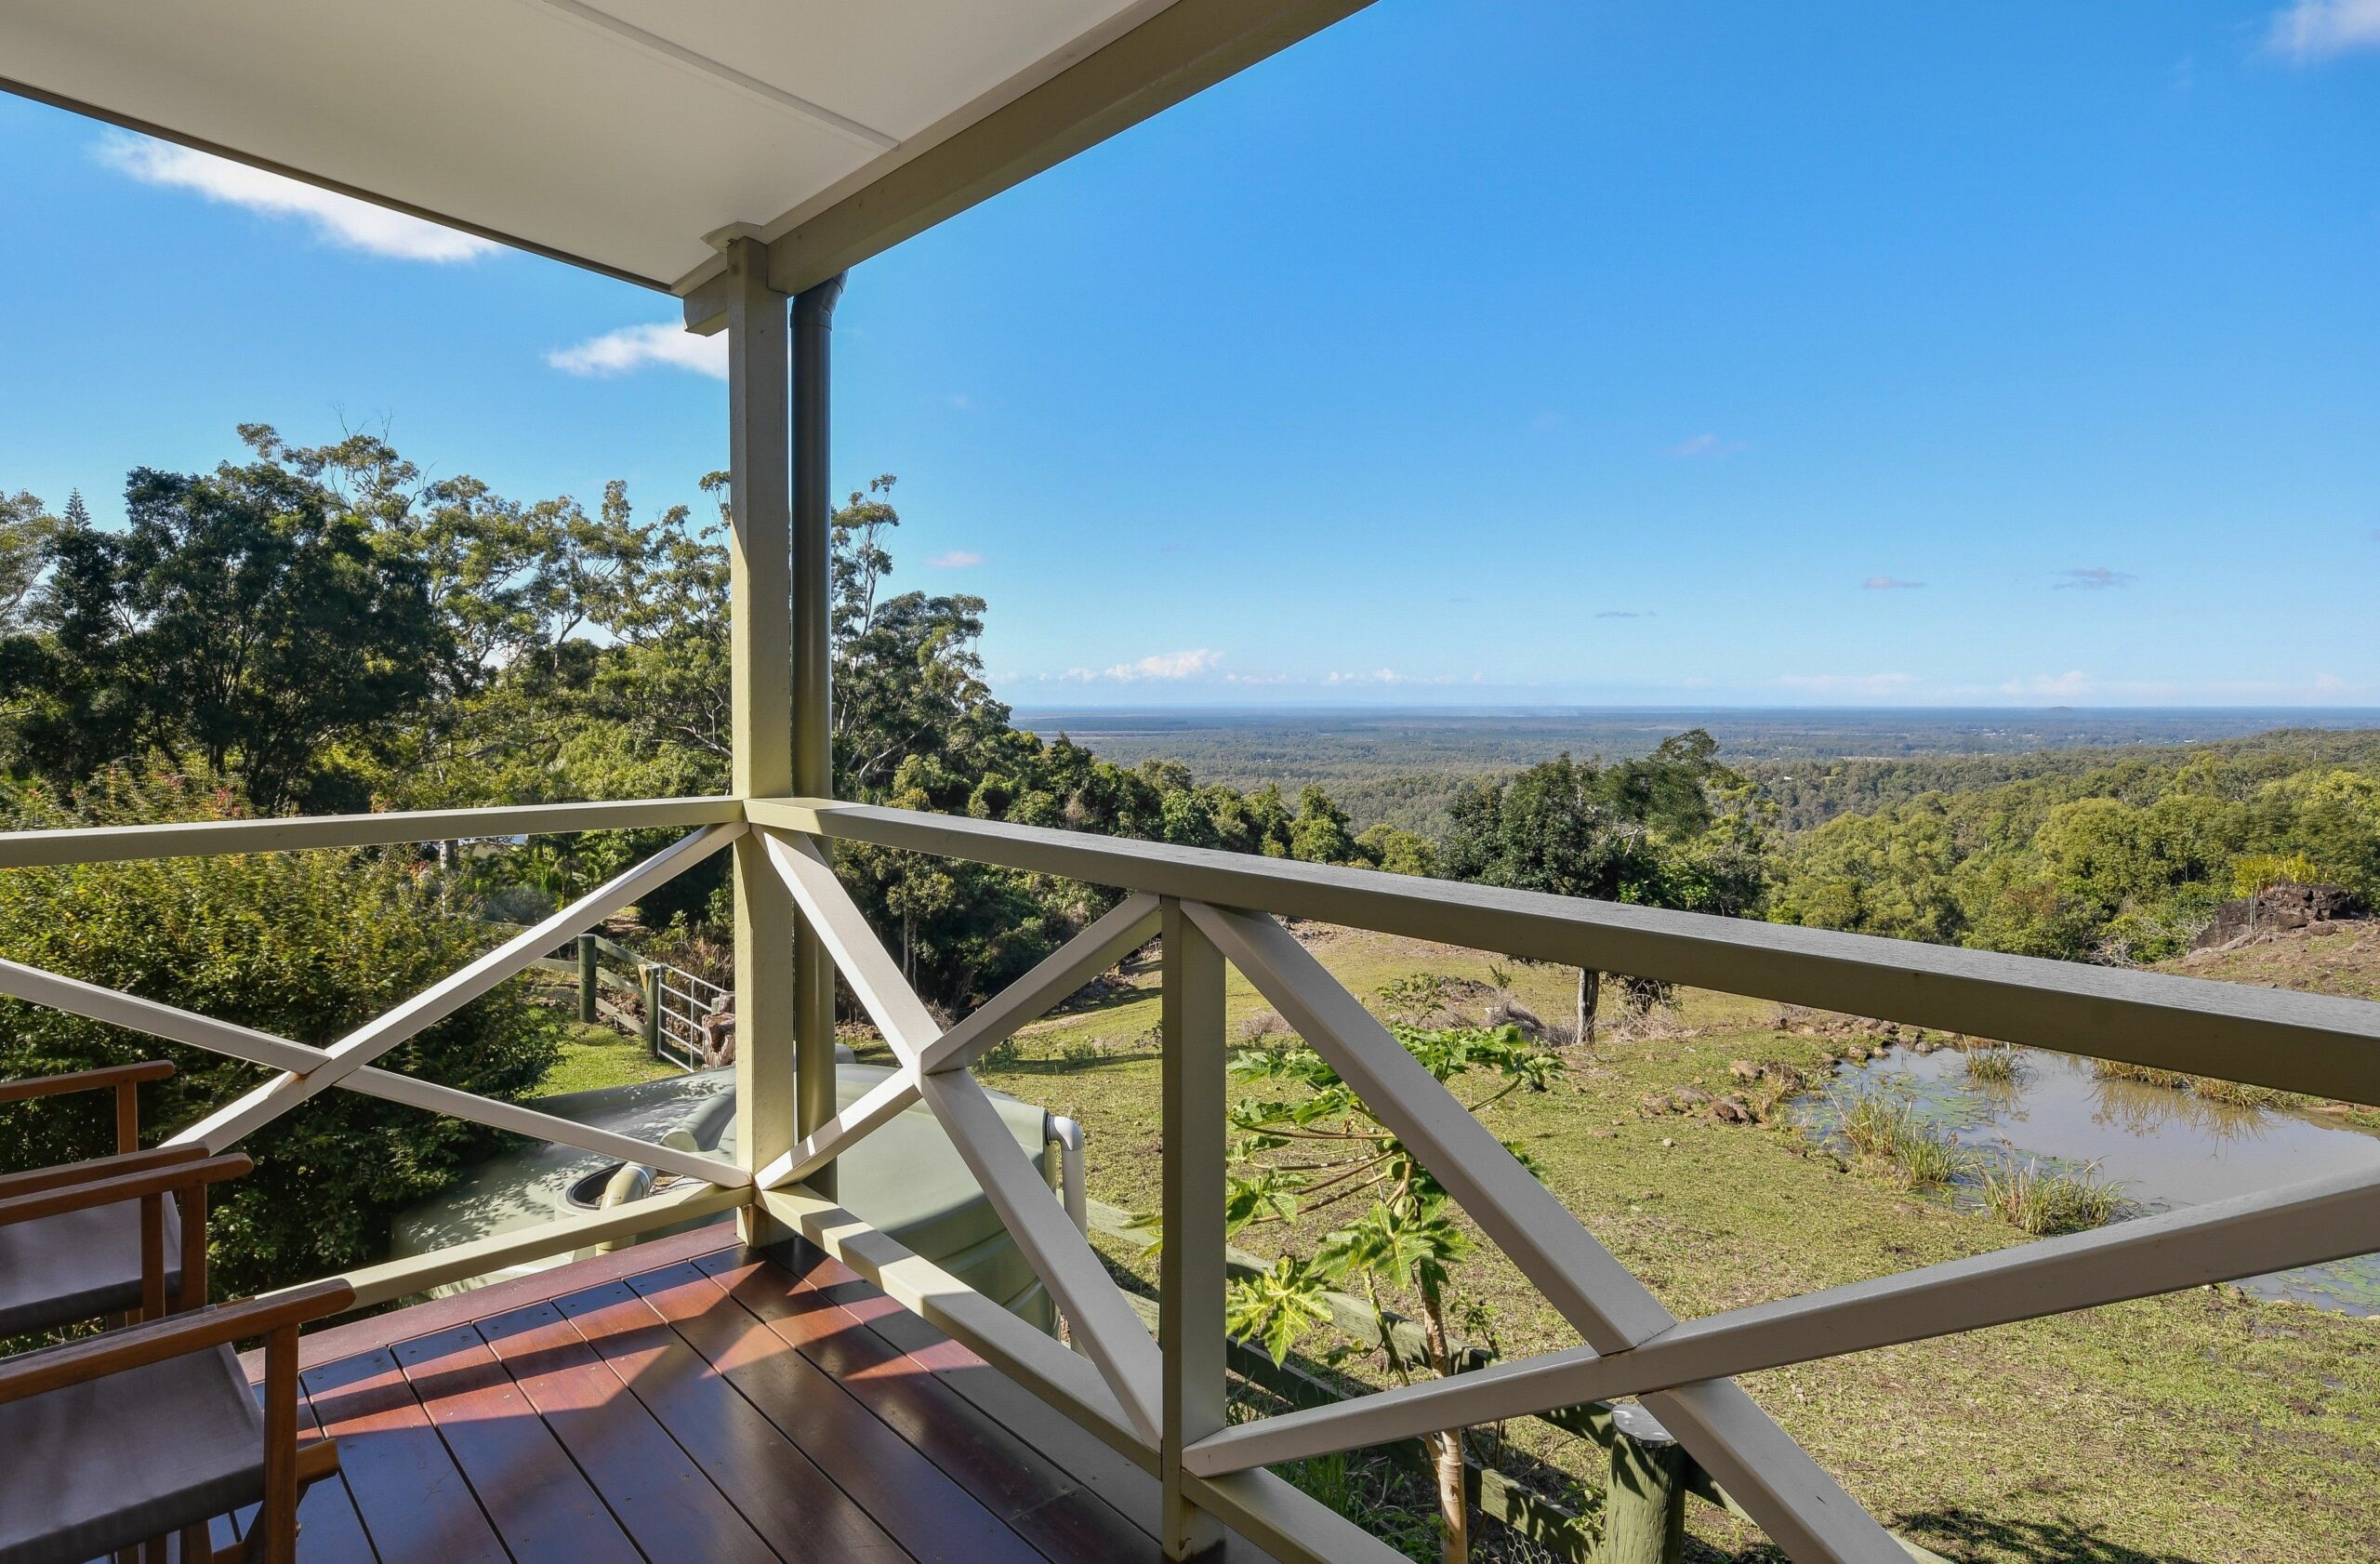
246, 616
26, 528
1671, 829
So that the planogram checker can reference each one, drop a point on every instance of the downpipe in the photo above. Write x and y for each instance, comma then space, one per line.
1063, 1132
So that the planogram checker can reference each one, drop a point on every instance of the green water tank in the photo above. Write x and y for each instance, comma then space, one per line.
905, 1179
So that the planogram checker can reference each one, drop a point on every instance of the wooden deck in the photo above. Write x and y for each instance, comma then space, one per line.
684, 1401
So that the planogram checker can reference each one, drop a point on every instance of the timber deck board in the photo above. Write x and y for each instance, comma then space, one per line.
697, 1401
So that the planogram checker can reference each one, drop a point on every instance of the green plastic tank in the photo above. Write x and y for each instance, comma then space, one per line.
904, 1179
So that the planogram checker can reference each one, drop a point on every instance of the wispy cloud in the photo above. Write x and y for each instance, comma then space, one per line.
1622, 613
1890, 584
637, 347
2094, 578
339, 219
1547, 421
1706, 444
957, 559
1386, 676
2312, 29
2071, 685
1870, 685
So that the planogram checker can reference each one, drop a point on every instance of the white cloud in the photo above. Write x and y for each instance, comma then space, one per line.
1623, 613
634, 347
1890, 584
957, 559
1706, 444
1164, 665
2319, 29
341, 220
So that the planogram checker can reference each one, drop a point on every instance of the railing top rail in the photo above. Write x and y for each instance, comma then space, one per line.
100, 844
2319, 1044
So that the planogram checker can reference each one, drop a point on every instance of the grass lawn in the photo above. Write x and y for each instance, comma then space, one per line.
2196, 1429
594, 1055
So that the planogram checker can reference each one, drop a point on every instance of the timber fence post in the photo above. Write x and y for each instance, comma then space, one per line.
587, 979
648, 977
1644, 1503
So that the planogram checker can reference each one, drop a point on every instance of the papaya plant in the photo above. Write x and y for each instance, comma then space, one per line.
1317, 1146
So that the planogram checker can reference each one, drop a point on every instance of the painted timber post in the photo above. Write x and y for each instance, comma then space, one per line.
812, 772
1644, 1505
761, 645
1191, 1265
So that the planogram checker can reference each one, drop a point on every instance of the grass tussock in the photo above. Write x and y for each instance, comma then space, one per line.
1992, 1066
2045, 1202
2230, 1093
1892, 1134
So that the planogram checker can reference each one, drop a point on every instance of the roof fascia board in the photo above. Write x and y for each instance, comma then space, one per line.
1172, 54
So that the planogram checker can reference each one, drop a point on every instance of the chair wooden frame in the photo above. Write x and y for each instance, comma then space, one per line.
183, 1176
272, 1539
123, 1080
128, 1174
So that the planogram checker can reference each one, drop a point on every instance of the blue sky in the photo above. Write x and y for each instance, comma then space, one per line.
1491, 352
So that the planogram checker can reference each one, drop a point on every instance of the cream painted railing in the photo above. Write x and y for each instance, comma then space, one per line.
1164, 1407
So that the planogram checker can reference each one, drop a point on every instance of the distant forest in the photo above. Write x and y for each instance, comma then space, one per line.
2117, 851
1404, 769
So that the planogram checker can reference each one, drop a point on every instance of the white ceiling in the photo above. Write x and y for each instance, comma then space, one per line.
616, 133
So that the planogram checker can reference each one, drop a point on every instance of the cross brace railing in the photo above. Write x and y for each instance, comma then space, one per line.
1160, 1400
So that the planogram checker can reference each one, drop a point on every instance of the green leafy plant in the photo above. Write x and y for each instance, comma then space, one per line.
1317, 1147
304, 945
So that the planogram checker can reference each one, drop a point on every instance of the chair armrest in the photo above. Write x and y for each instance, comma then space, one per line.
85, 1080
38, 1179
124, 1187
93, 1357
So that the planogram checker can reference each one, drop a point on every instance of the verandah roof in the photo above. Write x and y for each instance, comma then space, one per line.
622, 135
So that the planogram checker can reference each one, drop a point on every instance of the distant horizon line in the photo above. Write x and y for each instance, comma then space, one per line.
1581, 708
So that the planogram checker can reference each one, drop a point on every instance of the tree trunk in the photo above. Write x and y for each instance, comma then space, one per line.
1454, 1510
1590, 993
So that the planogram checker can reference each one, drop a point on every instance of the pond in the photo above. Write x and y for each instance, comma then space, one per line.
2167, 1148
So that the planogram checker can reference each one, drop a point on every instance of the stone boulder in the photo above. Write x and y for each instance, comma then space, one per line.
2277, 909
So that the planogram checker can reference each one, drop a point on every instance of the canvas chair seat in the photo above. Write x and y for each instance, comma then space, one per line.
140, 1453
78, 1265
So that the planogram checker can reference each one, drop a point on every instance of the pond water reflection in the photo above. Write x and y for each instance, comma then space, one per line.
2166, 1147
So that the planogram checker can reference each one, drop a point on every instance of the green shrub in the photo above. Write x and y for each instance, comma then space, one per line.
303, 945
